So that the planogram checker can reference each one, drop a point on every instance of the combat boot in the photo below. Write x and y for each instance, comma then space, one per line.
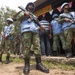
69, 53
26, 66
40, 66
7, 59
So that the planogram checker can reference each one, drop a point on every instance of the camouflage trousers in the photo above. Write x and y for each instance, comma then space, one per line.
12, 46
7, 47
29, 39
16, 48
68, 38
56, 40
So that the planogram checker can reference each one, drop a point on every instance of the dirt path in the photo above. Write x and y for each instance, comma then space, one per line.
17, 68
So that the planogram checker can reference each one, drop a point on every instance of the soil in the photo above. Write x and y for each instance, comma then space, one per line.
17, 69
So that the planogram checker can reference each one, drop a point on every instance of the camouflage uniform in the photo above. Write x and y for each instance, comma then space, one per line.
13, 36
65, 19
29, 32
8, 36
28, 39
67, 32
7, 46
9, 40
57, 33
55, 41
68, 38
30, 35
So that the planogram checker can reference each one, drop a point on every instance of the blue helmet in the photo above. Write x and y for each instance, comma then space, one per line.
62, 6
9, 19
30, 3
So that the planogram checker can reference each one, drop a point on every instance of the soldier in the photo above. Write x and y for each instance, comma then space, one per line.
65, 20
57, 33
29, 32
8, 36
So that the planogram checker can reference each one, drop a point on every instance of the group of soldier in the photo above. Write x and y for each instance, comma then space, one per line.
65, 29
59, 32
62, 25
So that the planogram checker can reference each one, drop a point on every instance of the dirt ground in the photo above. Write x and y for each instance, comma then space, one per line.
17, 68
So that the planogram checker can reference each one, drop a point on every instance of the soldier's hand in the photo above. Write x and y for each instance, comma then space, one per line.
67, 20
27, 14
42, 28
71, 21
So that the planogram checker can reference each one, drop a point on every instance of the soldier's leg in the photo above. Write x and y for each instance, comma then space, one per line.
8, 47
37, 52
55, 44
26, 39
62, 38
7, 58
18, 49
21, 46
15, 48
68, 38
11, 46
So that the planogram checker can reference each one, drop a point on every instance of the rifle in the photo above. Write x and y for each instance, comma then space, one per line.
73, 20
32, 17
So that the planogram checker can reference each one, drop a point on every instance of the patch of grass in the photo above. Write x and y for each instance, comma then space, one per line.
65, 67
13, 59
51, 65
57, 65
17, 60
